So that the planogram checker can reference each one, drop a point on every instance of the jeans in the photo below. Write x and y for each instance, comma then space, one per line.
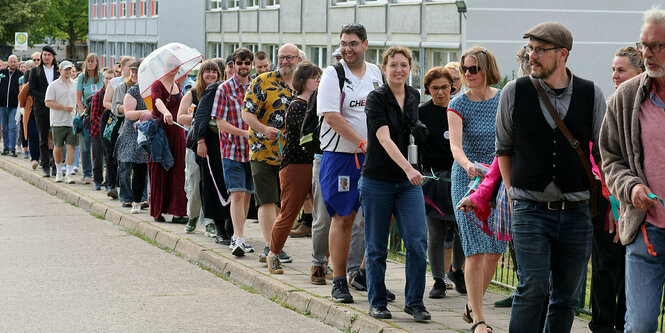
380, 201
125, 183
321, 229
556, 242
33, 139
86, 160
645, 275
8, 123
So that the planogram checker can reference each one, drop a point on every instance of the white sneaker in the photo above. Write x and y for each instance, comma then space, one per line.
238, 248
449, 284
136, 208
69, 179
58, 177
85, 180
75, 170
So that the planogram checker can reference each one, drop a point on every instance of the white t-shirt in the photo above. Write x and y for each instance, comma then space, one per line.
64, 94
49, 74
356, 90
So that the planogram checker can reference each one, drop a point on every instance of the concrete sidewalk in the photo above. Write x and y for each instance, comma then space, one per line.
293, 288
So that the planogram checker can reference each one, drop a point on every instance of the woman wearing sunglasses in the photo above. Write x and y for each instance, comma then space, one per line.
471, 118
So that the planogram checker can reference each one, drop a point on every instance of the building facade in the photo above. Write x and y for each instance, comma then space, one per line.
137, 27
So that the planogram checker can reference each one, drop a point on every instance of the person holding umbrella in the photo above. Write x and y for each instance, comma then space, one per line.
167, 188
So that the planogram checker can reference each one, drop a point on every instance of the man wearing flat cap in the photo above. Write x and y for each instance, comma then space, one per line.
40, 78
546, 178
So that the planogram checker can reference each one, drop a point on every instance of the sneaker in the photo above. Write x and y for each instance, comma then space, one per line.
505, 303
358, 279
249, 248
318, 275
69, 179
5, 152
262, 256
189, 227
418, 312
381, 312
232, 244
127, 204
274, 264
75, 170
449, 284
145, 205
46, 174
26, 155
340, 292
329, 273
58, 178
97, 187
14, 153
136, 208
458, 279
238, 248
302, 231
211, 230
85, 180
439, 289
225, 241
285, 258
35, 164
112, 193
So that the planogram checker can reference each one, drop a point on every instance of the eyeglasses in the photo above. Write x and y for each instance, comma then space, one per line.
442, 88
247, 63
471, 69
539, 50
353, 44
286, 58
654, 47
36, 59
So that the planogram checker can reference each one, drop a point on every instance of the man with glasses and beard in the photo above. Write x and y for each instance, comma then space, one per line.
264, 110
546, 179
631, 144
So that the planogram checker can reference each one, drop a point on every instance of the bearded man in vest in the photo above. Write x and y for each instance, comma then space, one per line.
546, 178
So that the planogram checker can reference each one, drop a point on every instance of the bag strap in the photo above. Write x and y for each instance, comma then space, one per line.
564, 130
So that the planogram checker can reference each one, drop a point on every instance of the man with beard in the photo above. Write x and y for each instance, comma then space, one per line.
631, 144
9, 89
264, 111
226, 110
546, 179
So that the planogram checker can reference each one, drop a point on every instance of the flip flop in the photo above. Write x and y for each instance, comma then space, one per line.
467, 314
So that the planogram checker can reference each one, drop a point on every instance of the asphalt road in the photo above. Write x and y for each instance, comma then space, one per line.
63, 270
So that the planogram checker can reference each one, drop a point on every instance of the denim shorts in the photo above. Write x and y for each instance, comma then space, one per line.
237, 176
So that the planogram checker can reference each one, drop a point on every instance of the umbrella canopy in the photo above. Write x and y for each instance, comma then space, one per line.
166, 59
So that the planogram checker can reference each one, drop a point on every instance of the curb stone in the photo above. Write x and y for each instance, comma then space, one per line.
340, 317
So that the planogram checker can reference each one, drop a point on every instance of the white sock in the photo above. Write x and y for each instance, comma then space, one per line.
69, 169
58, 167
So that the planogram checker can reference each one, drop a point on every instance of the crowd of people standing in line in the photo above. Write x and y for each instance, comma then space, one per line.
462, 175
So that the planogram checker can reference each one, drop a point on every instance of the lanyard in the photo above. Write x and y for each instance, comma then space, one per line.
615, 207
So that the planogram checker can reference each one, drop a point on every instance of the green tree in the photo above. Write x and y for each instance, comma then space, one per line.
22, 16
66, 19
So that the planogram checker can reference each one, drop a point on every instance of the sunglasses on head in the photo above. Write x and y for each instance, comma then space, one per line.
471, 69
247, 63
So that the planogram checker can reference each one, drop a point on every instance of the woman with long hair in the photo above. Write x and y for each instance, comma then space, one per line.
87, 84
471, 118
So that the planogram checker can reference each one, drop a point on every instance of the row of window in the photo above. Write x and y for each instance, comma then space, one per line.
320, 55
235, 4
110, 52
101, 9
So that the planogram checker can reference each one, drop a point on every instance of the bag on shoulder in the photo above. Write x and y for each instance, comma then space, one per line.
311, 126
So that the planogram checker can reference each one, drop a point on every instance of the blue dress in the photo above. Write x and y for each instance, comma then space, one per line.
478, 121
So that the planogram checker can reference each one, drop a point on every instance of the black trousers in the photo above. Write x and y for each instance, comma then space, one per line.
43, 125
97, 159
608, 263
138, 180
212, 207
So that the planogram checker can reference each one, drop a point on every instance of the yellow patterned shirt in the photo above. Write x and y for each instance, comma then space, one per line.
267, 97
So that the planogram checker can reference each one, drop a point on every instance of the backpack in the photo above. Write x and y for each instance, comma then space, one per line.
311, 125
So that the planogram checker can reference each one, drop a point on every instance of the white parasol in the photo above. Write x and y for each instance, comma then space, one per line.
166, 59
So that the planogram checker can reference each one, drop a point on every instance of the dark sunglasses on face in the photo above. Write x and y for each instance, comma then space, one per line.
247, 63
471, 69
35, 59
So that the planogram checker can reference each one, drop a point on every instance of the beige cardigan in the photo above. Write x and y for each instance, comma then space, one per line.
622, 153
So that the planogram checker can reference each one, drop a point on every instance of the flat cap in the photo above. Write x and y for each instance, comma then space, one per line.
65, 64
48, 49
553, 33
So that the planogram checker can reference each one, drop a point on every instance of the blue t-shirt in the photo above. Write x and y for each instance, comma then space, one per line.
89, 87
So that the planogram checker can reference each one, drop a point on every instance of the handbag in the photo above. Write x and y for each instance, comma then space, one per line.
596, 188
110, 126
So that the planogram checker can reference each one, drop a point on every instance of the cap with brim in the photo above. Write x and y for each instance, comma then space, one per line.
229, 59
337, 53
65, 64
48, 49
554, 33
135, 65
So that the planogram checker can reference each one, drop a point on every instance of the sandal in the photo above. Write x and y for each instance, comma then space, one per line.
473, 328
467, 314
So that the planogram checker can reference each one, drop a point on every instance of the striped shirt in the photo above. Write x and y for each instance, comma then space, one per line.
228, 106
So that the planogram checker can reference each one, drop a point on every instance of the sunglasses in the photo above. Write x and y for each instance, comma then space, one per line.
471, 69
35, 59
247, 63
